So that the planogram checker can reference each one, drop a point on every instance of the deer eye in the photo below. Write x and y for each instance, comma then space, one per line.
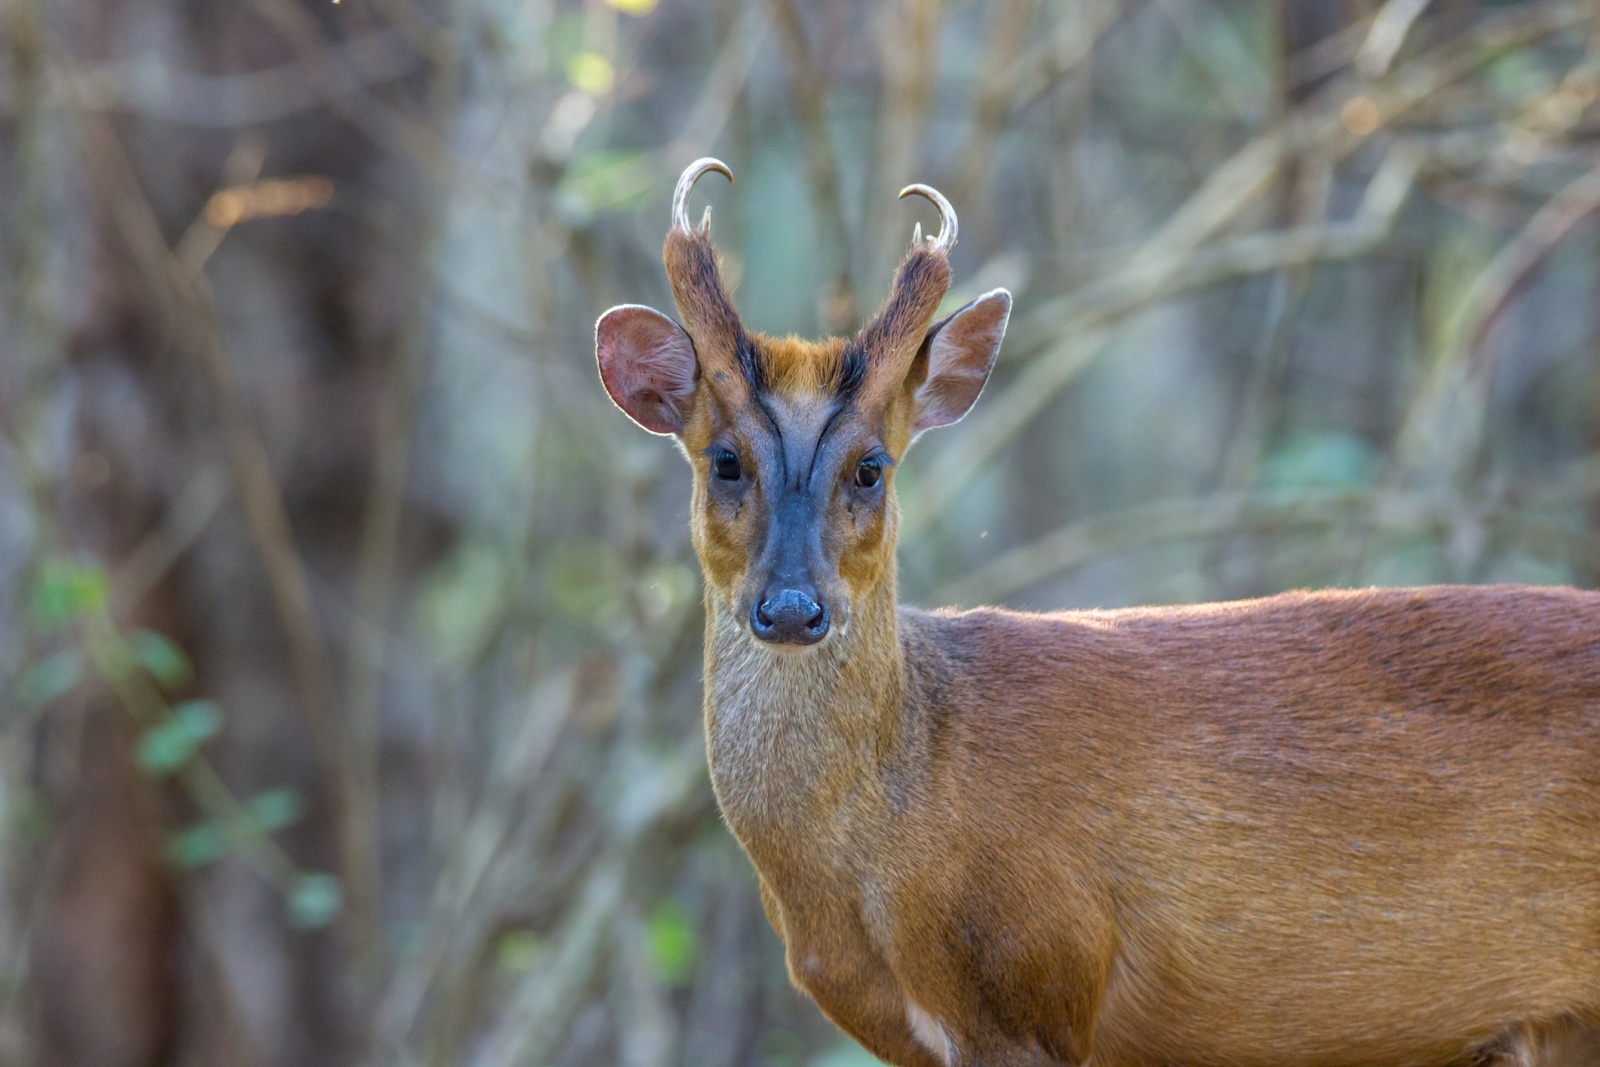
726, 465
869, 472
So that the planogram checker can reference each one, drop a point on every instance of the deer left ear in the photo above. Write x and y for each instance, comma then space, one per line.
959, 353
648, 366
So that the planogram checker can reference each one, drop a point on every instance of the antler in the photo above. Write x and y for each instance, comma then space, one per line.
947, 217
703, 305
893, 338
691, 174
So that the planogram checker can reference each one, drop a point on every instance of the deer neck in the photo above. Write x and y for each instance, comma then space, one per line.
798, 739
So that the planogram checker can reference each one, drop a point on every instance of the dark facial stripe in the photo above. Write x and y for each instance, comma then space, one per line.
777, 431
755, 370
822, 438
851, 373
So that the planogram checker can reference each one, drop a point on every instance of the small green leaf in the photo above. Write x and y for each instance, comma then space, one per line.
51, 677
161, 656
164, 749
200, 719
460, 601
196, 846
1324, 460
591, 72
31, 816
173, 742
65, 591
670, 939
276, 808
518, 951
605, 181
314, 901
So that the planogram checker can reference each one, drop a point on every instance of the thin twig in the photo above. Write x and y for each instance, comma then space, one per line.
233, 101
995, 95
151, 559
908, 44
194, 326
400, 396
1388, 33
808, 96
1167, 265
1444, 425
1079, 543
1231, 187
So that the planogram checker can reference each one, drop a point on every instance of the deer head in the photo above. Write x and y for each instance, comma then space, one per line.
794, 443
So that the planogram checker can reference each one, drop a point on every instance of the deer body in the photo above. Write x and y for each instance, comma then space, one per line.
1335, 828
1342, 829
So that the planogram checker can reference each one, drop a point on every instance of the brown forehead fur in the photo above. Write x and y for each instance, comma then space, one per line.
799, 368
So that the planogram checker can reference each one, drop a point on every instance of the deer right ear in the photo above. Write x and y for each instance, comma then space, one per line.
647, 365
960, 354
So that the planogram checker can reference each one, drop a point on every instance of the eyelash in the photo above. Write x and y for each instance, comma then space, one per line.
725, 465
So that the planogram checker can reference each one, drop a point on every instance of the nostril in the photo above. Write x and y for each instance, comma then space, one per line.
789, 617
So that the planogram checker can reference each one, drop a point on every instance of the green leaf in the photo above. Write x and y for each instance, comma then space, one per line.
314, 901
1323, 460
276, 808
201, 719
32, 817
164, 749
50, 678
173, 742
196, 846
606, 181
591, 72
518, 951
670, 939
161, 656
461, 601
64, 591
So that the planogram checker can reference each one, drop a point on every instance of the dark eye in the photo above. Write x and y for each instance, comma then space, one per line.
869, 472
726, 464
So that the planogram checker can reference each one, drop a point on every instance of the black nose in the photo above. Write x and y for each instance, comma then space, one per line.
789, 617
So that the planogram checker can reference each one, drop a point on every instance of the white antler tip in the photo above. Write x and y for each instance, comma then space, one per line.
680, 196
947, 217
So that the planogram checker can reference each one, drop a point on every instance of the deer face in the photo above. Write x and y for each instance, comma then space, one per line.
794, 443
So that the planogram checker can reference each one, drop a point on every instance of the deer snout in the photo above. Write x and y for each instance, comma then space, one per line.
789, 616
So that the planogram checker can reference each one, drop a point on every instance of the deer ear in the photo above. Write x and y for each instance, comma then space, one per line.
647, 364
960, 352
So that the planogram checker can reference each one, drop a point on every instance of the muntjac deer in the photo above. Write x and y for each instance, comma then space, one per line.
1336, 829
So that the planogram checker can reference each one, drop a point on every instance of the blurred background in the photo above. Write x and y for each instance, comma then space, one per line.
350, 640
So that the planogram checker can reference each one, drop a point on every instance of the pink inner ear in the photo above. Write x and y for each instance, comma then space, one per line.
647, 365
959, 360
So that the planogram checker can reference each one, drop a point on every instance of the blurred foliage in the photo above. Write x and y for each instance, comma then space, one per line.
349, 676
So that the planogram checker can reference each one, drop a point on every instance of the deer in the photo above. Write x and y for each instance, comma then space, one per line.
1341, 828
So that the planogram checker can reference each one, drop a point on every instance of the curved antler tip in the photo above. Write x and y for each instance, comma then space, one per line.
947, 216
680, 196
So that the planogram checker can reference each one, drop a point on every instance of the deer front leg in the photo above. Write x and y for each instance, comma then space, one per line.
851, 985
863, 1000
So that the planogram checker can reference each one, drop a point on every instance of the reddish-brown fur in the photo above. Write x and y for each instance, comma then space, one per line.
1337, 829
1323, 828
